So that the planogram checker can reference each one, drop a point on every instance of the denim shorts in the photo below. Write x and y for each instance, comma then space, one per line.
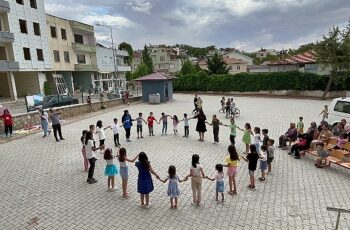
220, 186
124, 172
263, 165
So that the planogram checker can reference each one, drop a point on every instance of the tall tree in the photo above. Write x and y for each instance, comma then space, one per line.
187, 67
127, 47
216, 65
146, 59
142, 70
333, 52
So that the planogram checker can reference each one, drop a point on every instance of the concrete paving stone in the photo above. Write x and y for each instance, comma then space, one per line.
46, 179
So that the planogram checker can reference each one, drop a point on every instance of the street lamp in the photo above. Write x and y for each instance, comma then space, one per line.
114, 54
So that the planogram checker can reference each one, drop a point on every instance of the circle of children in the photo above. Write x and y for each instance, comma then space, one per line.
254, 152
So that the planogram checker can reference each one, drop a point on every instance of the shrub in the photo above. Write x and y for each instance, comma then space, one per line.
253, 82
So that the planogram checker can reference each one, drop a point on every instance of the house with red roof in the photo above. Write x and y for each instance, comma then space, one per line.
303, 62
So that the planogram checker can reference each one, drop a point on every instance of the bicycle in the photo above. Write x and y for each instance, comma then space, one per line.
233, 112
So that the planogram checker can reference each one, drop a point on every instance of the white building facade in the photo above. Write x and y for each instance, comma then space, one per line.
26, 20
110, 71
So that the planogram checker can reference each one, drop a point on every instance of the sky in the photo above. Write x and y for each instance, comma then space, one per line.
246, 25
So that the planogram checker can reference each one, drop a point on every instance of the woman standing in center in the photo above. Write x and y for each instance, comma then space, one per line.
201, 128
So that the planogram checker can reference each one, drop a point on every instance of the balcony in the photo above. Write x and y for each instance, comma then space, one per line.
4, 6
84, 48
6, 37
81, 27
6, 66
85, 67
124, 68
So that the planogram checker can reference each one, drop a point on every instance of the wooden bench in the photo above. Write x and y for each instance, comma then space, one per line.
337, 157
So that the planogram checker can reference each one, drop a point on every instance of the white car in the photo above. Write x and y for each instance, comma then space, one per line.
339, 109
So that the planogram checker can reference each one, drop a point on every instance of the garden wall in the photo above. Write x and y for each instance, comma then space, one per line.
30, 119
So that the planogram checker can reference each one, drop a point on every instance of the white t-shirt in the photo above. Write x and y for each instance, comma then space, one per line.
110, 162
196, 171
101, 133
186, 122
263, 156
123, 164
257, 138
115, 128
219, 177
89, 152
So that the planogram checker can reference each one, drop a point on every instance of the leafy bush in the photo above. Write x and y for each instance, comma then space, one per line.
47, 88
253, 82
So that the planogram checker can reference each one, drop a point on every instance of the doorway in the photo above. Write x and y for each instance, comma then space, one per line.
166, 91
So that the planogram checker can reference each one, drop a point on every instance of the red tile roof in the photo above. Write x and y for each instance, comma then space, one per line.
303, 58
155, 77
231, 61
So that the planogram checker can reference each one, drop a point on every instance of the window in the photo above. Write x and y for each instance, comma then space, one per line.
20, 2
23, 26
56, 55
162, 58
66, 56
53, 32
33, 4
238, 67
26, 52
78, 38
342, 107
36, 27
63, 34
81, 59
39, 53
3, 53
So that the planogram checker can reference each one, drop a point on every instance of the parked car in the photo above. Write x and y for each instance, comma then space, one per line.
116, 94
51, 101
339, 109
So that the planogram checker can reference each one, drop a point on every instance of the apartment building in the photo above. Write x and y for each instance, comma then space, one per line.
25, 42
165, 59
85, 63
110, 71
62, 54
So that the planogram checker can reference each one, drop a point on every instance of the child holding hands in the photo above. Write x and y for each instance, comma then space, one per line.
220, 186
173, 188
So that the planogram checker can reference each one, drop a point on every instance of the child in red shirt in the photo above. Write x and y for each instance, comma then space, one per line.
150, 121
8, 122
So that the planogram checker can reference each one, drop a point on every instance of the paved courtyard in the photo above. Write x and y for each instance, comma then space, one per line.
43, 184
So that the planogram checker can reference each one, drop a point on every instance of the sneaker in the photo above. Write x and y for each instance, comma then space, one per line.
262, 179
295, 157
62, 139
222, 202
93, 180
57, 140
147, 206
289, 153
141, 136
49, 132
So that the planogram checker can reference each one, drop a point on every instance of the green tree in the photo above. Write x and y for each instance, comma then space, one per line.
127, 47
47, 88
147, 60
333, 52
216, 65
187, 67
142, 70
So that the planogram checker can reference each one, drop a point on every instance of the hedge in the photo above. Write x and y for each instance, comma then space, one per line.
253, 82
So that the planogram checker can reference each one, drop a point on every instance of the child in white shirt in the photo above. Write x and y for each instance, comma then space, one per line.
263, 162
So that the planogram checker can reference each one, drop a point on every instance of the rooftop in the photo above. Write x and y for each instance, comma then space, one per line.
155, 77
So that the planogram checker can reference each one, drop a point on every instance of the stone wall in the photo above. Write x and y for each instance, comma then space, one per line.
30, 119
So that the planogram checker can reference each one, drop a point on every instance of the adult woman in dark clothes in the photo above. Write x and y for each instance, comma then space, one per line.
201, 128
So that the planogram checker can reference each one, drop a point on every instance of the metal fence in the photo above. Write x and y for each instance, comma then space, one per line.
20, 106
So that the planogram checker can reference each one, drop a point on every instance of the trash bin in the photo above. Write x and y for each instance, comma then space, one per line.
154, 98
